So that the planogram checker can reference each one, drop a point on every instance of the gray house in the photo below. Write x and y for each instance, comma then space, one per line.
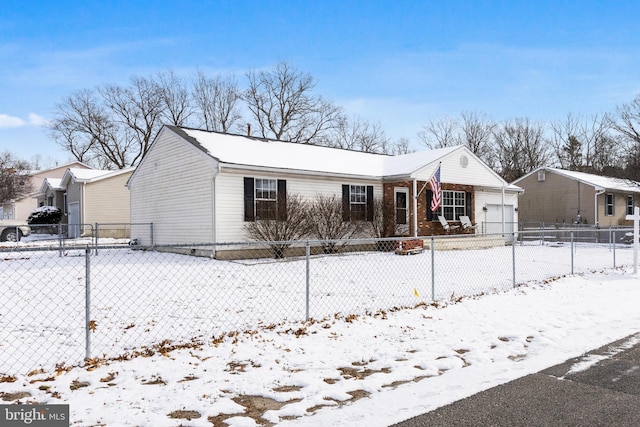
557, 196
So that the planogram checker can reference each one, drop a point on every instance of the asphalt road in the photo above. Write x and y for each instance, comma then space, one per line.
606, 393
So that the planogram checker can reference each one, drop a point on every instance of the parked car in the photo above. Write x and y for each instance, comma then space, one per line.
13, 231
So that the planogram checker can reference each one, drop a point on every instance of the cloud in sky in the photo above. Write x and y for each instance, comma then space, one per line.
7, 121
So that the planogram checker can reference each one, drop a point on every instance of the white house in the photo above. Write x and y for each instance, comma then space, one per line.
198, 186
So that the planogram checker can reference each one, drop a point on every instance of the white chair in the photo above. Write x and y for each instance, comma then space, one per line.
447, 227
466, 223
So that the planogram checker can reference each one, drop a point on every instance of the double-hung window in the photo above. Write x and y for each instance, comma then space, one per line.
609, 204
630, 205
357, 202
266, 198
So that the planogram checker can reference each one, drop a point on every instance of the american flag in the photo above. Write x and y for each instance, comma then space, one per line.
434, 183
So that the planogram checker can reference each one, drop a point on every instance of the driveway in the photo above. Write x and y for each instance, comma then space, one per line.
600, 388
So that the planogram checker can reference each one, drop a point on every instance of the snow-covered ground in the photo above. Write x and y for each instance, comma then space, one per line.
371, 365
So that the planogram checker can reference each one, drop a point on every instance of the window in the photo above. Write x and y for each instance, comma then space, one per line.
453, 205
541, 175
401, 207
609, 204
357, 202
265, 199
630, 205
64, 203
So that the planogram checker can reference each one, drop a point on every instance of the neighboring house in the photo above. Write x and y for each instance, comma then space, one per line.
88, 197
554, 196
203, 187
20, 209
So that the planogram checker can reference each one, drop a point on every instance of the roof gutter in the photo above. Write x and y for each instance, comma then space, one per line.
231, 166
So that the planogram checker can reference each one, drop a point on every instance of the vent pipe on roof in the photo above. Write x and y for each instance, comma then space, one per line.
248, 129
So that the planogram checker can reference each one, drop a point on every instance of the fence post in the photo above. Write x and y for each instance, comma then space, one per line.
308, 255
87, 303
96, 238
613, 242
151, 231
572, 248
60, 240
433, 265
513, 261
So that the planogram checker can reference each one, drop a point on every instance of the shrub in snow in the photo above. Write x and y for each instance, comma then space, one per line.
45, 215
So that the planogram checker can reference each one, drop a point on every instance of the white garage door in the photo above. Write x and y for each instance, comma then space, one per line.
494, 220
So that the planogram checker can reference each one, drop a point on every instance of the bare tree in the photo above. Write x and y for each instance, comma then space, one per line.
217, 102
627, 124
138, 108
566, 140
326, 221
476, 132
440, 133
281, 232
400, 146
601, 146
520, 148
84, 128
358, 134
14, 177
175, 98
282, 103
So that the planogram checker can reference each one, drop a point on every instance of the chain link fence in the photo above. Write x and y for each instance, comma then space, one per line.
62, 306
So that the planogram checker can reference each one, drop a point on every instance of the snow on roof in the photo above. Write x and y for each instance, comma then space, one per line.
54, 183
243, 150
598, 181
88, 175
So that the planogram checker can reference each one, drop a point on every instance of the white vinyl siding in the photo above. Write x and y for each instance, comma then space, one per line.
475, 173
173, 188
230, 186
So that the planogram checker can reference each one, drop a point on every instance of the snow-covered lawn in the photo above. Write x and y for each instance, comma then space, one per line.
226, 342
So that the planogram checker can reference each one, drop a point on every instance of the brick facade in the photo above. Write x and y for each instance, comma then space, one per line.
425, 228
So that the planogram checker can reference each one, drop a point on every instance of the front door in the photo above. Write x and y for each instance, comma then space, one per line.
74, 220
401, 210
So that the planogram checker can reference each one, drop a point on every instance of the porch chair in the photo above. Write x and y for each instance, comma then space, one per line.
466, 223
447, 227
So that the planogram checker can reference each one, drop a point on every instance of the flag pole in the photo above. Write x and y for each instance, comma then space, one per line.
415, 199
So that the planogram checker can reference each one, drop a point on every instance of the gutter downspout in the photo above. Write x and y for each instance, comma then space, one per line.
214, 197
81, 220
595, 199
503, 219
415, 207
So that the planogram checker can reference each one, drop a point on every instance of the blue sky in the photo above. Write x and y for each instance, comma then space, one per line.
400, 63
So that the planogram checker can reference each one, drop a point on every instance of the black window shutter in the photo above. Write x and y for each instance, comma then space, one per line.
468, 206
249, 194
428, 205
282, 200
346, 210
369, 202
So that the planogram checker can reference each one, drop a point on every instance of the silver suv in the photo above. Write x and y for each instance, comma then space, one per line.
13, 231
